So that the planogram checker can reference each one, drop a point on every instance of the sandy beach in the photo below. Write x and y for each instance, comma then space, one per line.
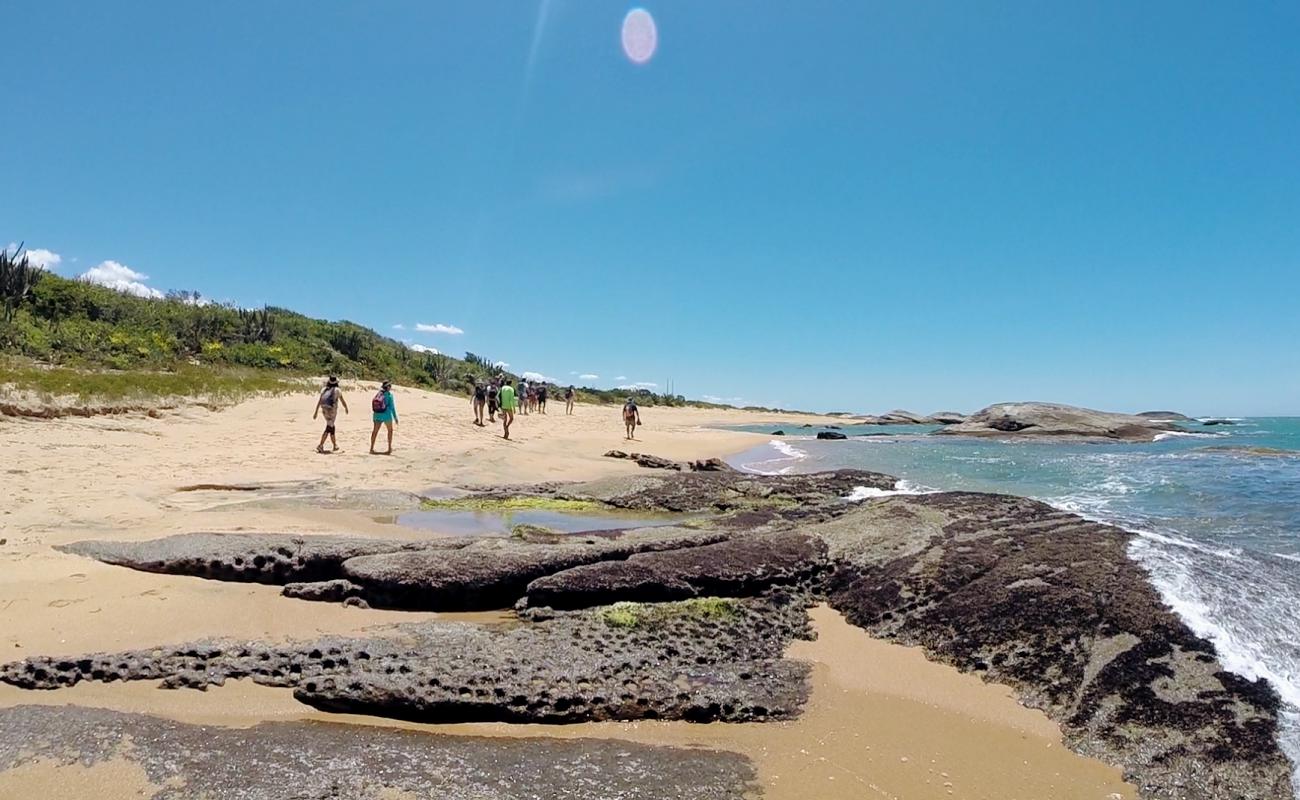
882, 722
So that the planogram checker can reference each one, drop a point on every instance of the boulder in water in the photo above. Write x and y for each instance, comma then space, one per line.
1056, 420
830, 435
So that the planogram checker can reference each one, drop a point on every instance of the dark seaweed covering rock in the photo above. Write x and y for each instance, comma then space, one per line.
572, 667
1052, 605
324, 761
742, 566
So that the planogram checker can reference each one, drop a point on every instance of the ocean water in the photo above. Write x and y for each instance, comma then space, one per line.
1217, 513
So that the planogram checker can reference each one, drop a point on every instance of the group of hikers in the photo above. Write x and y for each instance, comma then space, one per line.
496, 396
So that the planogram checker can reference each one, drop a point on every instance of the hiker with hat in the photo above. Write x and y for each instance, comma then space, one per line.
385, 413
331, 397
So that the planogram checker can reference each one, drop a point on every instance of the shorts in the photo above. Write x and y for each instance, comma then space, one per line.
492, 406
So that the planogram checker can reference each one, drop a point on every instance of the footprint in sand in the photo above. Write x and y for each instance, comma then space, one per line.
63, 603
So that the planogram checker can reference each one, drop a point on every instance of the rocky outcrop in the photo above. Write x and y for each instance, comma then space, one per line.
833, 435
742, 566
251, 557
316, 760
1061, 421
1212, 422
1050, 604
948, 417
711, 465
494, 573
718, 492
1035, 598
696, 661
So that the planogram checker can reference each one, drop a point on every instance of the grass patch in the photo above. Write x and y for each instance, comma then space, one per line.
636, 615
117, 386
520, 503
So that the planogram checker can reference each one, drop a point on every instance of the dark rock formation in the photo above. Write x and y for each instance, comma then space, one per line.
1053, 420
742, 566
494, 573
685, 661
252, 557
645, 460
1212, 422
711, 465
948, 417
715, 492
778, 433
1050, 604
324, 761
830, 435
1039, 599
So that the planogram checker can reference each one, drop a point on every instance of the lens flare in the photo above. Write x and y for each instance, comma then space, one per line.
640, 36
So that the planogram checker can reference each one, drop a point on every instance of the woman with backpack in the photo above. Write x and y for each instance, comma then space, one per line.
331, 397
385, 413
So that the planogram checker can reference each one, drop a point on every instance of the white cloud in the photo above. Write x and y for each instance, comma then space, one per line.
120, 277
537, 376
438, 327
620, 377
500, 365
587, 376
638, 385
38, 257
399, 327
419, 348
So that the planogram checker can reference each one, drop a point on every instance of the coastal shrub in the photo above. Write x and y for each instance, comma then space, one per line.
60, 321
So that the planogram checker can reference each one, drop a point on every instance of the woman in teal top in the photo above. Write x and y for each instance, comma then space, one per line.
385, 413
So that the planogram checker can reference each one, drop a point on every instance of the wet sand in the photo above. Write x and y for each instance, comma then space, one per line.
883, 722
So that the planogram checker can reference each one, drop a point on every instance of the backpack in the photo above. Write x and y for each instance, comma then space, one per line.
329, 397
380, 404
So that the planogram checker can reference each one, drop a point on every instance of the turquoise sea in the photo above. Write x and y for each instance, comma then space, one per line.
1217, 512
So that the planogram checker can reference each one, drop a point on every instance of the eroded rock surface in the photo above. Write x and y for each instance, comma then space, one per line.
720, 661
1050, 604
323, 761
742, 566
252, 557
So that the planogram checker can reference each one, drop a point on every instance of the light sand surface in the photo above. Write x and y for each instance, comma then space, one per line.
883, 722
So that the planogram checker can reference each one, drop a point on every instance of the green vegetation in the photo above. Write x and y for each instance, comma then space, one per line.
520, 503
220, 386
93, 332
635, 615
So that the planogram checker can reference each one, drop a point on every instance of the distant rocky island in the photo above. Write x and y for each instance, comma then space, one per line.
1047, 420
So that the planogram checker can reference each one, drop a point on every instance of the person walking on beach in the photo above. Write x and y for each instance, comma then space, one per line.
631, 417
385, 413
568, 401
478, 402
508, 403
493, 392
541, 398
331, 397
521, 396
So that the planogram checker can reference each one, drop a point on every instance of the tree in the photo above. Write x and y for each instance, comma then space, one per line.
17, 276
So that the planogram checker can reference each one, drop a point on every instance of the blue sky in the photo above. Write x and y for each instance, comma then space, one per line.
853, 206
